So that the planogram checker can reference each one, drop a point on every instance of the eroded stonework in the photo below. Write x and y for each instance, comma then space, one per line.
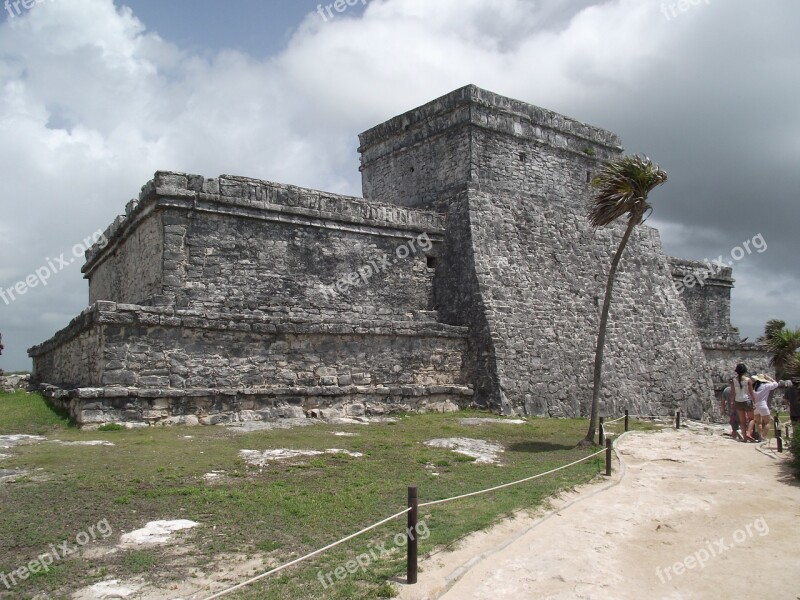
467, 275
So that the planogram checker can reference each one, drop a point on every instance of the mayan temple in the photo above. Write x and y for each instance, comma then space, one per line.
467, 275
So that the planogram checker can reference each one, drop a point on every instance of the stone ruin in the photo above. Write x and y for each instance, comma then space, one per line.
467, 275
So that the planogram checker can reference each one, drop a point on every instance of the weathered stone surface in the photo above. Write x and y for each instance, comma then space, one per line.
468, 276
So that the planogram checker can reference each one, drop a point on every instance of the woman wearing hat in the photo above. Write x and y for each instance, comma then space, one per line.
762, 385
742, 390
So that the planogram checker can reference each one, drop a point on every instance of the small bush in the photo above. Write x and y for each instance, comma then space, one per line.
794, 447
111, 427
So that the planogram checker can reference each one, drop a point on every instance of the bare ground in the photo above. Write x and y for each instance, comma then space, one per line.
688, 514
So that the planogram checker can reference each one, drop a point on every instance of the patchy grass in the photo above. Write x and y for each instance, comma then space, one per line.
280, 511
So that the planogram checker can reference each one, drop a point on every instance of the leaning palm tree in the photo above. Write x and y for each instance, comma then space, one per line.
623, 188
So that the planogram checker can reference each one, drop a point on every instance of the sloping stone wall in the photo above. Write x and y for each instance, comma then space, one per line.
541, 272
521, 266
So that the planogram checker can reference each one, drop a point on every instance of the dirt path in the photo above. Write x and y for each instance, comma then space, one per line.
692, 514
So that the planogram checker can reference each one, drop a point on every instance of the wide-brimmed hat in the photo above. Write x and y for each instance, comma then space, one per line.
761, 377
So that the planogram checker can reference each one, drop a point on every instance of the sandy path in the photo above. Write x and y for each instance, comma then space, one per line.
689, 497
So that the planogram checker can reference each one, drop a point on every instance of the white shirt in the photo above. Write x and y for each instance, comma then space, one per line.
762, 393
741, 393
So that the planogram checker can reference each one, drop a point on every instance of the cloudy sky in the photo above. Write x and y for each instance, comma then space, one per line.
96, 95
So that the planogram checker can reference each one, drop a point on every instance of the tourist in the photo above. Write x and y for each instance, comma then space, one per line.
792, 398
728, 410
762, 385
742, 387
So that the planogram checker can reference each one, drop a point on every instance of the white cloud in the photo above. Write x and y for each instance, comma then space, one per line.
93, 104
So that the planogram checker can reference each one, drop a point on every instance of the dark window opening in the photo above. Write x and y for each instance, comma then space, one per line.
412, 169
588, 177
432, 261
522, 156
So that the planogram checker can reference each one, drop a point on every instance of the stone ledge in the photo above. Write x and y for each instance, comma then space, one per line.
87, 393
234, 192
111, 313
162, 407
734, 346
463, 105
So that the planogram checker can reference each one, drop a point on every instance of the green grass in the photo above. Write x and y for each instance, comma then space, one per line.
28, 414
279, 511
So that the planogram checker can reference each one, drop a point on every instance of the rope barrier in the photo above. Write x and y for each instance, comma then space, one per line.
505, 485
307, 556
410, 509
652, 416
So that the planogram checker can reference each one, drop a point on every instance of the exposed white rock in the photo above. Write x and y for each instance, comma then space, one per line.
155, 533
213, 475
8, 441
484, 452
11, 475
262, 457
106, 590
86, 443
490, 421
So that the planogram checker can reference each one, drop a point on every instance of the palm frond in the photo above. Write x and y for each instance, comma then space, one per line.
623, 188
771, 328
783, 345
793, 366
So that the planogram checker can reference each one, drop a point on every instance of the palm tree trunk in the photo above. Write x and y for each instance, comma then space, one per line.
601, 337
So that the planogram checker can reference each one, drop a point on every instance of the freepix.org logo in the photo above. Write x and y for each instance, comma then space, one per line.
16, 7
54, 554
54, 265
326, 12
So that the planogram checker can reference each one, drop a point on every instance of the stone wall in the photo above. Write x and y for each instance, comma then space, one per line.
722, 358
167, 353
73, 357
706, 291
469, 267
475, 139
252, 245
541, 273
522, 268
132, 268
14, 383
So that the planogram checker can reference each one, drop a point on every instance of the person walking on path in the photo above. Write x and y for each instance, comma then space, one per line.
762, 385
742, 387
728, 410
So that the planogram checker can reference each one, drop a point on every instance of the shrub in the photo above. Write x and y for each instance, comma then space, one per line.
794, 448
111, 427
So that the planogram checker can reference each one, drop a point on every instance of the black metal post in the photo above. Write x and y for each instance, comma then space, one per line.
677, 419
778, 437
411, 534
602, 431
626, 419
608, 457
